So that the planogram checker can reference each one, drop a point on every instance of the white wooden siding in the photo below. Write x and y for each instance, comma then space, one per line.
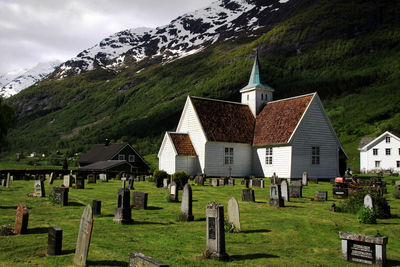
166, 156
281, 162
215, 160
315, 130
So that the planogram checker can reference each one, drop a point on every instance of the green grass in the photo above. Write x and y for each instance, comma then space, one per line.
304, 233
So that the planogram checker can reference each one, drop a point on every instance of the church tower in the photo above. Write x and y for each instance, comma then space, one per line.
255, 94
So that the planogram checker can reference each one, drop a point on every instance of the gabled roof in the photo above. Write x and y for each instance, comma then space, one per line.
183, 144
255, 78
278, 120
372, 141
101, 152
364, 141
225, 121
104, 165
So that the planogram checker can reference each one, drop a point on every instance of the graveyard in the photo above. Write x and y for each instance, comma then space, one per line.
302, 233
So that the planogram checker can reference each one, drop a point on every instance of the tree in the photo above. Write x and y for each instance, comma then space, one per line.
6, 117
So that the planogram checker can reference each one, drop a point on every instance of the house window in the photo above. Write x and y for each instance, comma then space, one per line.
268, 156
398, 164
387, 139
387, 151
315, 155
262, 96
377, 164
131, 158
399, 151
121, 157
228, 155
375, 152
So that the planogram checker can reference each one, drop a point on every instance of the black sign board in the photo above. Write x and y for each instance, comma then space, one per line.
361, 252
211, 227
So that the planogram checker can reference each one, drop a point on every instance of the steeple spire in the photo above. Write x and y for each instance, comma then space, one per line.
255, 77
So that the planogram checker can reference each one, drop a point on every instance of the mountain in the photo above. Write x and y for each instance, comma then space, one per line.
14, 82
345, 50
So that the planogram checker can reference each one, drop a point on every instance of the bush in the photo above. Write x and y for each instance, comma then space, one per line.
366, 215
180, 178
396, 192
159, 176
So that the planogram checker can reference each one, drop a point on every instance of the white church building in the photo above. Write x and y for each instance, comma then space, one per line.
258, 136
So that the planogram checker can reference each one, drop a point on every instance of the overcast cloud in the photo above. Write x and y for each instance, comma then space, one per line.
33, 31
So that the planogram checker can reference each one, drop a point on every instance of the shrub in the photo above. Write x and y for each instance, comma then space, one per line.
396, 192
180, 178
366, 215
159, 176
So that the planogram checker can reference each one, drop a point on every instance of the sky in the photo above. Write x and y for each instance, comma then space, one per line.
33, 31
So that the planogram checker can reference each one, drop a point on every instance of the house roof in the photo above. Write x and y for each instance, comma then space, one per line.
278, 120
372, 141
364, 141
101, 152
255, 78
104, 165
183, 144
224, 121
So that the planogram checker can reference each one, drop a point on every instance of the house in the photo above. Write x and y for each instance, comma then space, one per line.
380, 153
106, 155
258, 136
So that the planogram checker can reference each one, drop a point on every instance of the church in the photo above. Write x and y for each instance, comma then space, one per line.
258, 136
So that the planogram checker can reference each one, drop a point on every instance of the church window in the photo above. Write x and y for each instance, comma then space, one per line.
268, 156
262, 96
228, 155
315, 155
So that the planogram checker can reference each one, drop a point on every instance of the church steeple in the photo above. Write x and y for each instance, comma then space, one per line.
255, 93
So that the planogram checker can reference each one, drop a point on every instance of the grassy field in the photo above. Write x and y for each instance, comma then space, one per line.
304, 233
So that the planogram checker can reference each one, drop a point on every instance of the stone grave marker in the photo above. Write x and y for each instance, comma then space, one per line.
304, 180
234, 214
103, 177
123, 179
51, 178
80, 182
275, 196
91, 178
123, 213
165, 183
285, 191
67, 180
362, 248
96, 207
214, 182
186, 205
222, 181
60, 195
397, 183
274, 179
139, 200
215, 234
296, 182
84, 235
21, 219
141, 260
296, 191
199, 180
248, 195
321, 195
368, 203
173, 192
8, 180
231, 181
54, 241
39, 188
3, 182
130, 183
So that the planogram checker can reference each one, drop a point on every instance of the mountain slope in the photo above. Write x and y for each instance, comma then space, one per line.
346, 50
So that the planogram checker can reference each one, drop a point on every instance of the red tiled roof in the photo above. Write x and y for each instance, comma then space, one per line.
183, 144
224, 121
277, 121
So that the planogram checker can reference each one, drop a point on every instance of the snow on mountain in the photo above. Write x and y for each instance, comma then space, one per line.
14, 82
187, 34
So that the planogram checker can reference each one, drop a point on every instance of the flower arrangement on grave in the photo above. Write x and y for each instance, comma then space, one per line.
6, 230
318, 198
293, 195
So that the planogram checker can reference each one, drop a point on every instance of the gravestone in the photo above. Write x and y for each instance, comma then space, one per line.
60, 195
246, 182
321, 195
103, 177
214, 182
215, 234
51, 178
296, 191
84, 235
285, 191
8, 180
54, 241
123, 179
274, 179
368, 203
173, 192
165, 183
199, 180
3, 182
91, 178
21, 219
397, 183
304, 180
296, 182
248, 194
234, 214
362, 248
223, 181
275, 196
130, 183
340, 192
231, 181
80, 182
39, 188
123, 213
186, 206
96, 207
67, 181
141, 260
139, 200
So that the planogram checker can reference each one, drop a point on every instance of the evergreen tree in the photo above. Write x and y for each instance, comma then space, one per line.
6, 116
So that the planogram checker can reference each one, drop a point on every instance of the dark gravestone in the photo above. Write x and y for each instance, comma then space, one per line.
275, 196
130, 183
51, 178
123, 213
96, 207
296, 191
223, 181
139, 200
141, 260
84, 235
215, 234
21, 219
80, 182
60, 195
91, 179
54, 241
186, 205
321, 195
246, 182
248, 194
173, 192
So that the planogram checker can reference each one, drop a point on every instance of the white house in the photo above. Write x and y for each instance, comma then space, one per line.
258, 136
381, 153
